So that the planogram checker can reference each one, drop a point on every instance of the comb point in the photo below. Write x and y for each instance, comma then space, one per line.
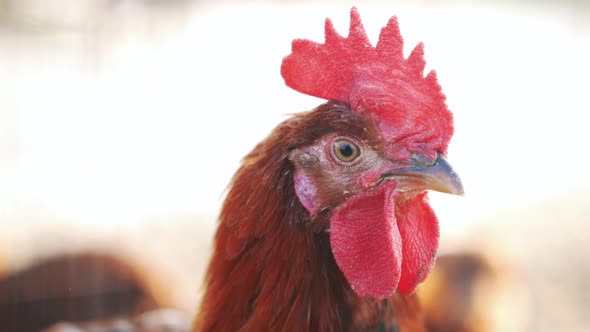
391, 43
432, 79
416, 60
356, 31
330, 33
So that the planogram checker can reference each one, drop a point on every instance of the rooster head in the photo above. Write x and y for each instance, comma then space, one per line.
388, 143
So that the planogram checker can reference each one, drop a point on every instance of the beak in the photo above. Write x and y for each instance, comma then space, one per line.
438, 176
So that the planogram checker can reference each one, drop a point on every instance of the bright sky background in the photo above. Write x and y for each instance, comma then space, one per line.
154, 124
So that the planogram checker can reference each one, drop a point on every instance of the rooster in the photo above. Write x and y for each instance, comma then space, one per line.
327, 224
457, 297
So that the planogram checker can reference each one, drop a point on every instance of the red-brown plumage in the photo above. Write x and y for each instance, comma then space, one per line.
266, 250
328, 217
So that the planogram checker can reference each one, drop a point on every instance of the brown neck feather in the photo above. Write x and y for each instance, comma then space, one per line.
272, 268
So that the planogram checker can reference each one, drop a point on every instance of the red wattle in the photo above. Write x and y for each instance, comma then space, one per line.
418, 227
366, 242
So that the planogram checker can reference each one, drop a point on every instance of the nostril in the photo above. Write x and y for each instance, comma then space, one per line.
423, 160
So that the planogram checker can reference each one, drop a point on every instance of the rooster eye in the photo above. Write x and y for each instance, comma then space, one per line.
345, 150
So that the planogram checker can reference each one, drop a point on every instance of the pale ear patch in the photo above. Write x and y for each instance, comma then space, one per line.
306, 191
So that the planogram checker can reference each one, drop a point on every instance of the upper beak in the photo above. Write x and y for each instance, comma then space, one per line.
438, 176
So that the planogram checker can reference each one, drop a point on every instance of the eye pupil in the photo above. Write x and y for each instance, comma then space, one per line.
345, 150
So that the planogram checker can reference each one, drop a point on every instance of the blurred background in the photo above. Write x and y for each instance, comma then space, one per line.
122, 122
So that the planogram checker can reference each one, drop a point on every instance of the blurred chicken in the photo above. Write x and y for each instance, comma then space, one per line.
72, 288
448, 296
472, 291
159, 320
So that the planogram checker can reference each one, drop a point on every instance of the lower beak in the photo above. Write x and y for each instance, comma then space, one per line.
438, 176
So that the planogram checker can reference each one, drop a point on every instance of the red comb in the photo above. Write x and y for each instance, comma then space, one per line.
375, 79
